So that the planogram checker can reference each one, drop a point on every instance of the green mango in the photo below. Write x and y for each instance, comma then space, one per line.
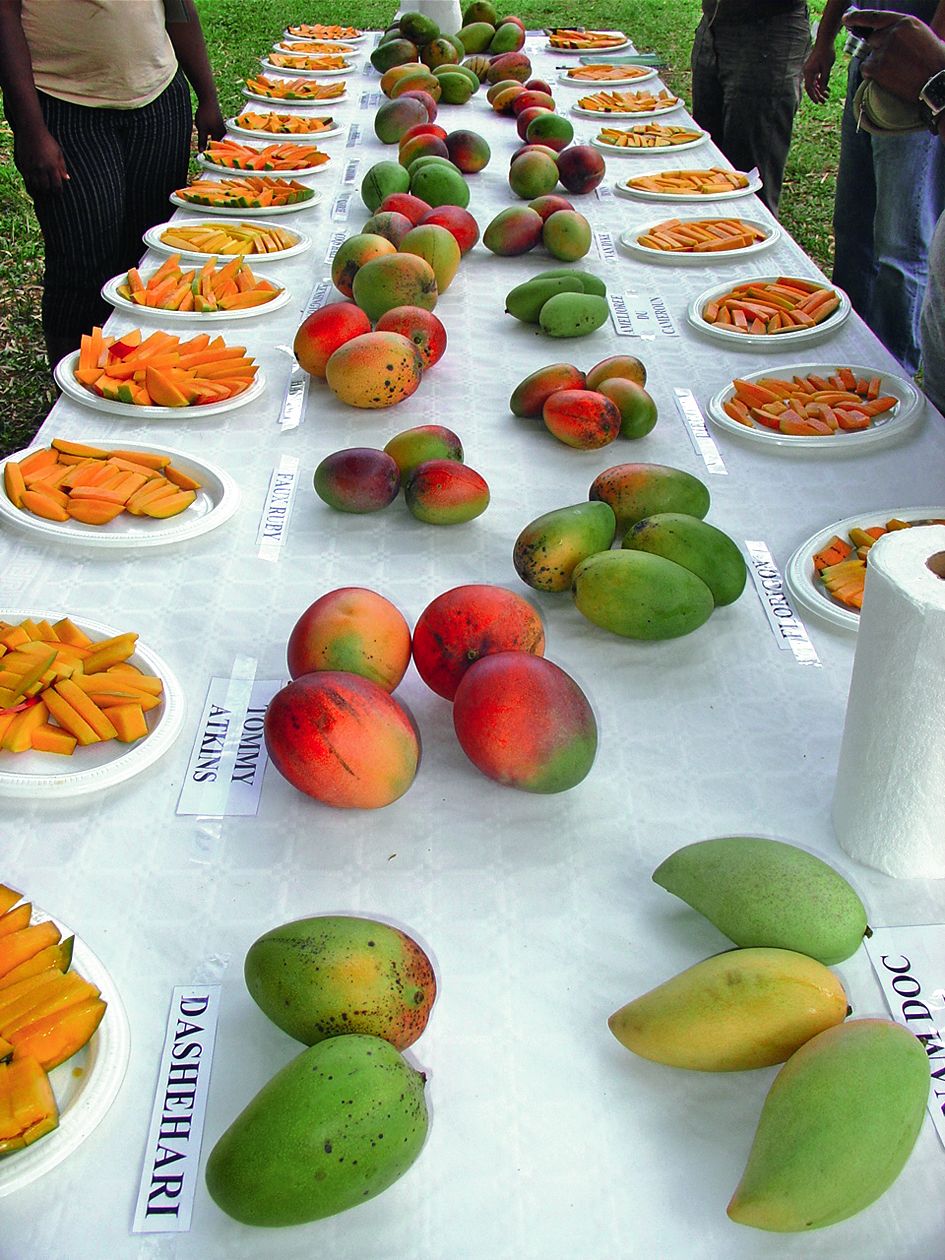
335, 1127
836, 1128
766, 892
330, 974
459, 69
707, 551
419, 28
477, 36
638, 490
640, 596
382, 179
746, 1008
548, 550
590, 282
457, 87
573, 314
393, 52
526, 300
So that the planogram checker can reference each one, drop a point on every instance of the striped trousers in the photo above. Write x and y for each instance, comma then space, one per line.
123, 164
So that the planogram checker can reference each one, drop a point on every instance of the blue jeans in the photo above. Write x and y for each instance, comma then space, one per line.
746, 87
890, 193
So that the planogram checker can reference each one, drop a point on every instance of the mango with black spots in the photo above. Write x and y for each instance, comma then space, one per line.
375, 370
550, 548
323, 976
336, 1126
573, 314
640, 596
638, 490
706, 551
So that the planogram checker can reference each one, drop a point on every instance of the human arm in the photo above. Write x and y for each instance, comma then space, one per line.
903, 55
36, 154
820, 60
186, 36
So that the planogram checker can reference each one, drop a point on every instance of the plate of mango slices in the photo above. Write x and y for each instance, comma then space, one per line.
827, 573
101, 498
817, 407
63, 1019
83, 707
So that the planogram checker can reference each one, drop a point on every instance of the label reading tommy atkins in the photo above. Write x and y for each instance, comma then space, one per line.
172, 1155
910, 965
228, 760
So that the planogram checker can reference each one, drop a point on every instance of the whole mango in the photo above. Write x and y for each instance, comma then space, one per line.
526, 300
549, 548
333, 974
333, 1128
696, 545
638, 490
573, 314
528, 397
640, 596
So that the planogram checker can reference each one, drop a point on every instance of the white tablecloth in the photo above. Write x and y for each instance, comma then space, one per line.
548, 1139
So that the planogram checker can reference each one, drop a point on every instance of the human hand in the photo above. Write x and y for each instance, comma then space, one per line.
904, 53
817, 69
210, 123
39, 160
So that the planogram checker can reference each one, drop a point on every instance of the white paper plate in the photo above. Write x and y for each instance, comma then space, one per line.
85, 1085
654, 152
90, 769
673, 258
641, 194
270, 68
296, 104
65, 379
601, 115
588, 52
885, 428
301, 172
766, 341
350, 39
110, 294
645, 76
275, 137
216, 501
152, 238
807, 588
240, 212
338, 46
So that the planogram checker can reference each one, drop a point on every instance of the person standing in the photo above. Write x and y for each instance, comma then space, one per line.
747, 62
890, 193
96, 93
905, 57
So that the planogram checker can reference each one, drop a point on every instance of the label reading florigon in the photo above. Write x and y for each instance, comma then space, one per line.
789, 631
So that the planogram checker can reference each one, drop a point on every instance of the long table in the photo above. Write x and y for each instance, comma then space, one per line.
547, 1139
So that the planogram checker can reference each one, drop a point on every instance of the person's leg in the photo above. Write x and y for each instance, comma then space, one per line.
80, 226
910, 197
854, 209
155, 144
708, 106
760, 64
933, 322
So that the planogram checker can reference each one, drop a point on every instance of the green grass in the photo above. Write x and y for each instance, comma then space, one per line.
237, 31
